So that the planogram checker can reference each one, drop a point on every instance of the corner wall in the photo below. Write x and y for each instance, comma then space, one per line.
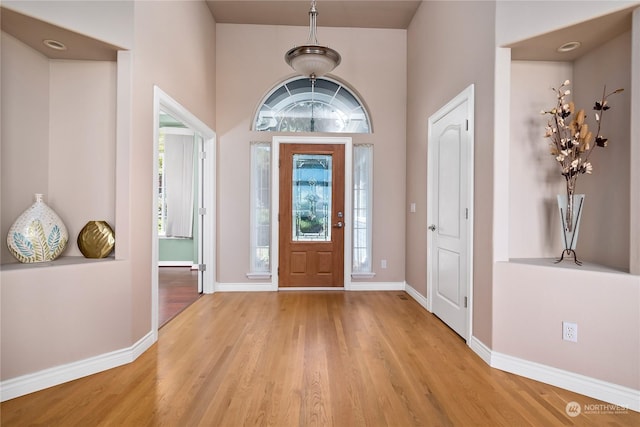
450, 46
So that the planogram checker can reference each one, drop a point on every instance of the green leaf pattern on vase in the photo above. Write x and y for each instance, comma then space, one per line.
38, 234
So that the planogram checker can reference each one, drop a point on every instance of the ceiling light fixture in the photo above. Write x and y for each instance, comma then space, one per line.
54, 44
312, 60
569, 46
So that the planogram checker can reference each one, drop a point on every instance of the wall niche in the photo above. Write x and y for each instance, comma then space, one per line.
604, 58
59, 127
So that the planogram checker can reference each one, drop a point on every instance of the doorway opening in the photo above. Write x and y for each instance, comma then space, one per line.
183, 265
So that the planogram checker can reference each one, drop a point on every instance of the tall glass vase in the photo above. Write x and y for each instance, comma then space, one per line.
570, 206
38, 234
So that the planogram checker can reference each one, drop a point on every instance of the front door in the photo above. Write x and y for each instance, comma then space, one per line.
312, 217
450, 202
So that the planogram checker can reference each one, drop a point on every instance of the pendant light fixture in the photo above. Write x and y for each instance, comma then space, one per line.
312, 60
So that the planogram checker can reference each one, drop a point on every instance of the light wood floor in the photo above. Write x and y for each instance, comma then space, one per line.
305, 359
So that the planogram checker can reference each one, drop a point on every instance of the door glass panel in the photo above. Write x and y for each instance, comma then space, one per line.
311, 194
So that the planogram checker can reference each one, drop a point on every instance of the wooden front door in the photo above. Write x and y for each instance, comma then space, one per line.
311, 247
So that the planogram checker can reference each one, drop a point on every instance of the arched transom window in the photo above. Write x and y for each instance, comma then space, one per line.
298, 105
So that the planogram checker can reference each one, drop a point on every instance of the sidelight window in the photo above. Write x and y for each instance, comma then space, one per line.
260, 209
362, 209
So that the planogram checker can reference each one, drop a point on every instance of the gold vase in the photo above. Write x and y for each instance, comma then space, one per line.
96, 239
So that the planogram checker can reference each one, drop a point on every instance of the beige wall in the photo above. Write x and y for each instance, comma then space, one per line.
250, 61
534, 175
532, 301
450, 46
22, 109
607, 208
58, 315
53, 316
174, 49
82, 145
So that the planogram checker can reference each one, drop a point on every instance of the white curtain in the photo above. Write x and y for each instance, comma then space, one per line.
178, 169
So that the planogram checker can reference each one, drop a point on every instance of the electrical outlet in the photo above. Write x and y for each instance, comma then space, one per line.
570, 331
383, 263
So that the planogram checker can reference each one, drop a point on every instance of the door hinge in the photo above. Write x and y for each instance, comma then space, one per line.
465, 302
467, 124
202, 211
203, 155
466, 213
202, 267
278, 271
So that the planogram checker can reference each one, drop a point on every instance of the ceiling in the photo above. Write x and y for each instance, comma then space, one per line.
398, 14
331, 13
32, 32
591, 34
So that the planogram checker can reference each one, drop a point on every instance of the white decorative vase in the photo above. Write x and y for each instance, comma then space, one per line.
38, 235
570, 231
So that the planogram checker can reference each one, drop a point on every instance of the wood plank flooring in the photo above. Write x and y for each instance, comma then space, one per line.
305, 359
177, 289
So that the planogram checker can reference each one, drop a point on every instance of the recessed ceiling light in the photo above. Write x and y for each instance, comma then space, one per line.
54, 44
569, 46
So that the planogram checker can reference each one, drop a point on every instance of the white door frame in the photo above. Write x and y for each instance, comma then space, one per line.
466, 95
162, 101
275, 202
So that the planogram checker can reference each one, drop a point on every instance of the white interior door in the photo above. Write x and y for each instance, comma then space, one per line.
450, 200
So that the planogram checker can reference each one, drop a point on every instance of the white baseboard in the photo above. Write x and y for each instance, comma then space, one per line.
177, 264
592, 387
268, 286
377, 286
244, 287
421, 299
480, 349
19, 386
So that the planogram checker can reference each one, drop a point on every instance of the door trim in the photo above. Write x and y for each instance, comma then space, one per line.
162, 101
275, 202
468, 96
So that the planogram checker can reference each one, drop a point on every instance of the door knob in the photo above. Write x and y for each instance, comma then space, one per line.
432, 227
339, 224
